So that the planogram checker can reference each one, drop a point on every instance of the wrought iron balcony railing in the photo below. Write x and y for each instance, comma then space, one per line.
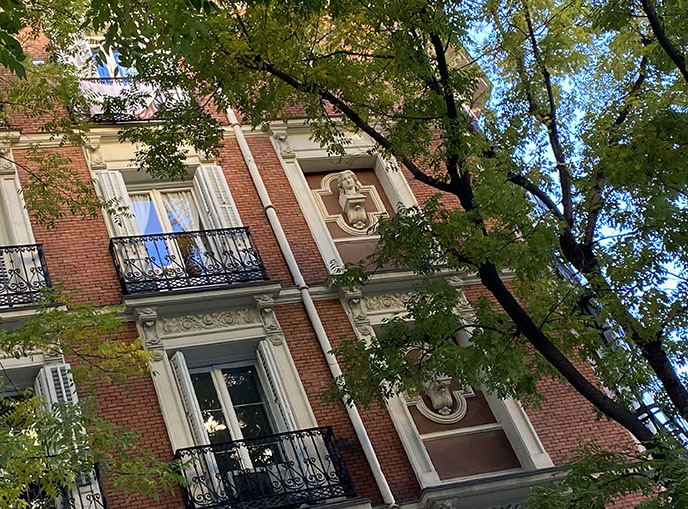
130, 99
87, 494
23, 274
186, 261
275, 471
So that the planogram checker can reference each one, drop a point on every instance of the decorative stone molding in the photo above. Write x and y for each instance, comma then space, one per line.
94, 155
6, 161
147, 319
177, 325
389, 303
283, 144
266, 310
442, 400
370, 217
353, 301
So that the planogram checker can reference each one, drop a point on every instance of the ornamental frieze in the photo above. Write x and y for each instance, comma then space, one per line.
392, 302
207, 321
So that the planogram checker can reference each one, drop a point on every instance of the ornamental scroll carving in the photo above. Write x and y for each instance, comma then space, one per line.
148, 321
354, 302
266, 311
391, 302
447, 406
207, 321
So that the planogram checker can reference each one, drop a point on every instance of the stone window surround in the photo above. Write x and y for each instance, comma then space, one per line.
299, 154
369, 311
204, 326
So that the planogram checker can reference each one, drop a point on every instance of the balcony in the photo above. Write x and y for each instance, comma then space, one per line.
121, 100
23, 274
276, 471
186, 261
87, 494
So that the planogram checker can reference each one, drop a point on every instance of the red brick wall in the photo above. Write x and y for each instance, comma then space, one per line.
76, 249
314, 373
383, 435
251, 211
294, 223
77, 253
136, 408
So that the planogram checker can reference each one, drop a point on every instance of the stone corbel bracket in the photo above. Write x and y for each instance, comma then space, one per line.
94, 155
355, 308
283, 144
7, 165
265, 305
147, 320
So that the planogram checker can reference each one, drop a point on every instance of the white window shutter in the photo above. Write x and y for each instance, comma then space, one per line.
216, 203
112, 187
275, 390
189, 401
80, 55
15, 217
55, 384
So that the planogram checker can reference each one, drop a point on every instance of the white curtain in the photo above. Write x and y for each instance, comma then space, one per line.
142, 207
181, 211
183, 216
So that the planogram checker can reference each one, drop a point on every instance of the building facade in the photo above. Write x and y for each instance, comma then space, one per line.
222, 275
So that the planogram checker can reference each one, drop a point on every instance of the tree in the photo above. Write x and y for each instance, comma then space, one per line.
577, 161
47, 447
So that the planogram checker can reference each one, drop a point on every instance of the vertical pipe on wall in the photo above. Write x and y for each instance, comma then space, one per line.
311, 310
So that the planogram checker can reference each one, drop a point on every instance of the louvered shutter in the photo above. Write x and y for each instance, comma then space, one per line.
55, 384
189, 401
15, 217
80, 55
216, 203
112, 187
275, 390
206, 466
135, 263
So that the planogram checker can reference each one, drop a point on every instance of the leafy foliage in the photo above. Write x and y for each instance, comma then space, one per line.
43, 450
572, 183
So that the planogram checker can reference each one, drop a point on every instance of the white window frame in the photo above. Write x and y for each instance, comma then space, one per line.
303, 151
156, 193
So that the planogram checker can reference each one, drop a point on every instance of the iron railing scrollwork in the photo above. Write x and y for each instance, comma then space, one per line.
187, 260
87, 493
275, 471
23, 274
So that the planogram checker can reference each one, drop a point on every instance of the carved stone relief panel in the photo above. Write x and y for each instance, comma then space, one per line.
220, 320
391, 303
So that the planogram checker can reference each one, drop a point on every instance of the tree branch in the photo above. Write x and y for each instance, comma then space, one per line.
594, 205
551, 123
669, 48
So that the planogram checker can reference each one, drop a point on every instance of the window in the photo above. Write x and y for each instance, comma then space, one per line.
178, 237
54, 384
172, 211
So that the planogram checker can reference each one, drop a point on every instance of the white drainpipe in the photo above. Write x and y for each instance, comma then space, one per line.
308, 303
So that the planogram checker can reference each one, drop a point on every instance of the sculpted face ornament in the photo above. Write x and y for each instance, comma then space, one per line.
351, 200
440, 395
447, 406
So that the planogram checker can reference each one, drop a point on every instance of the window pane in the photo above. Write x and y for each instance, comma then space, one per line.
181, 211
253, 420
213, 418
243, 385
145, 214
